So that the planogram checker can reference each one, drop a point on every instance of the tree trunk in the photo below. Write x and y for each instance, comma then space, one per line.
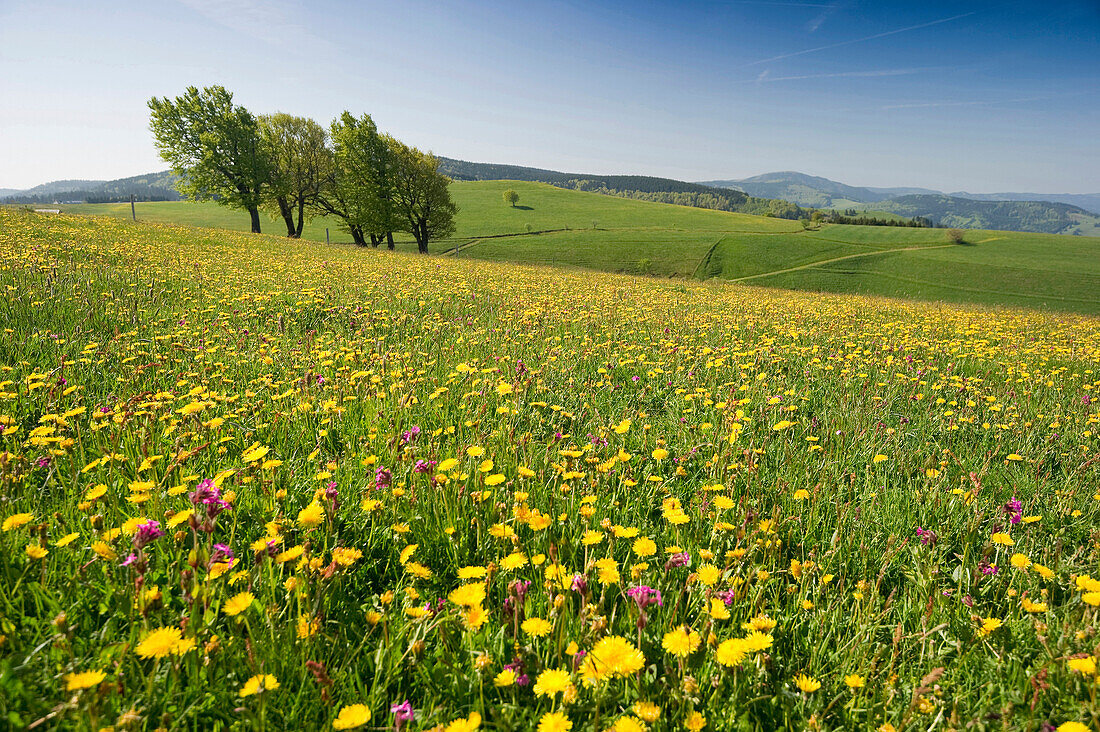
254, 213
287, 214
357, 236
389, 240
374, 240
301, 218
420, 231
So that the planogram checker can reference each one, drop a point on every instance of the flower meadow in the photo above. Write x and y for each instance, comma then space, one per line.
250, 483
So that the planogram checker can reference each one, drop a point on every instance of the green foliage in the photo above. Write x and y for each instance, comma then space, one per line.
300, 162
360, 190
422, 201
511, 197
215, 147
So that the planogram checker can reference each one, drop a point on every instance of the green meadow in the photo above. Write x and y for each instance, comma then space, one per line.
558, 227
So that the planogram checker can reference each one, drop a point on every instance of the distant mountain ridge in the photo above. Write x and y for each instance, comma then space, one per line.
1088, 201
785, 194
801, 188
149, 187
1043, 213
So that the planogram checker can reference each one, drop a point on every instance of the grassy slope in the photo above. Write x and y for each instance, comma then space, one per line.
620, 235
482, 213
997, 268
803, 438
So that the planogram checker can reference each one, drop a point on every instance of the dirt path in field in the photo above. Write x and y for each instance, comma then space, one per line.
453, 251
839, 259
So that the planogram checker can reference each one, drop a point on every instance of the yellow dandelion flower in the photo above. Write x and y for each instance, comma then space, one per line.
159, 643
350, 717
551, 682
645, 547
16, 520
554, 722
311, 515
807, 684
695, 721
1086, 665
238, 603
731, 652
537, 627
83, 680
681, 642
258, 684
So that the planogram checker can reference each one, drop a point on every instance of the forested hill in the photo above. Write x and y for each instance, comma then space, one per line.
1036, 216
150, 187
641, 187
1055, 214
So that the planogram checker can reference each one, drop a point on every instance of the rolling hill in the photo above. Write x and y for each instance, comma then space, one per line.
1035, 216
149, 187
641, 187
1088, 201
568, 228
810, 190
1054, 214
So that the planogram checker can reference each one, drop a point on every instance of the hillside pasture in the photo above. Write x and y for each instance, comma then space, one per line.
565, 228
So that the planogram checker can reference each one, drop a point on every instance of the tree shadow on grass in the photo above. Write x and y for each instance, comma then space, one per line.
524, 208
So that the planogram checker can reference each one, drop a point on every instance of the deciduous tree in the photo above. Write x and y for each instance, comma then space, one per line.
421, 197
215, 147
300, 161
360, 188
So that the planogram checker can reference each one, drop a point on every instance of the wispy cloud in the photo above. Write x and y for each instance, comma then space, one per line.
824, 15
765, 76
861, 40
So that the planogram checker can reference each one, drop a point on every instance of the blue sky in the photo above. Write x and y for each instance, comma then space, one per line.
976, 96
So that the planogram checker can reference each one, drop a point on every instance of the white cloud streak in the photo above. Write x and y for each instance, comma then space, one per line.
765, 77
861, 40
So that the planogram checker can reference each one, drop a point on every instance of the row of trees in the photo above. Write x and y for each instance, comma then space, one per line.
851, 216
294, 168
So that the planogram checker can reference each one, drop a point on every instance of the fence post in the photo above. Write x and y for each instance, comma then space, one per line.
326, 236
133, 211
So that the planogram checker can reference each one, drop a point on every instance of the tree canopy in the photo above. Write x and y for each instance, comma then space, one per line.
421, 198
300, 161
292, 167
215, 147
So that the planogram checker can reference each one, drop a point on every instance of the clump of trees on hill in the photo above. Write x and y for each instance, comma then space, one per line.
639, 187
294, 168
851, 216
720, 199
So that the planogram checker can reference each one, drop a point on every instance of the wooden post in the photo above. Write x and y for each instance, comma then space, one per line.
133, 211
326, 236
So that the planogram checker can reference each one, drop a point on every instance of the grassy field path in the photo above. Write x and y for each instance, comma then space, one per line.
837, 259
